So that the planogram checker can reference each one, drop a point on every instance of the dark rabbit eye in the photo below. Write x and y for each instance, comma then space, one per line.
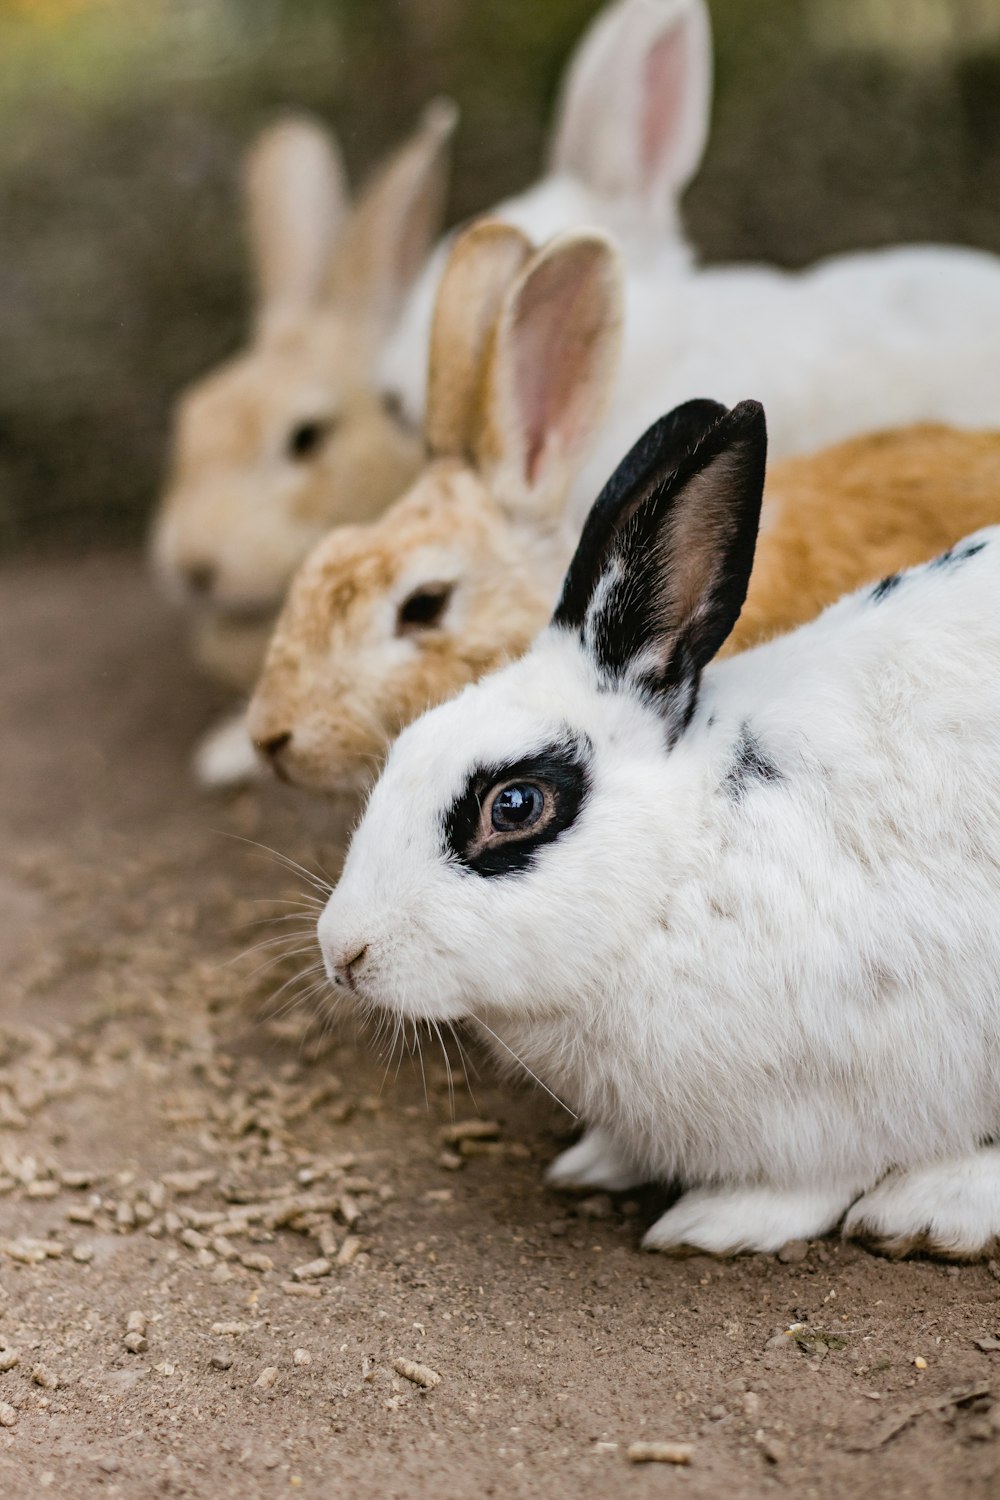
517, 807
392, 405
307, 438
423, 609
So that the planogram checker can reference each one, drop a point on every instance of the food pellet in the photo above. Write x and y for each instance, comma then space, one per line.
8, 1416
8, 1359
421, 1375
266, 1378
312, 1269
45, 1378
660, 1453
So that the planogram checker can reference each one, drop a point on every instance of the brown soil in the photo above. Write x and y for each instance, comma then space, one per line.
220, 1143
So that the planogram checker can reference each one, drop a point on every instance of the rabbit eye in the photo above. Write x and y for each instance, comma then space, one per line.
308, 437
517, 807
392, 405
424, 608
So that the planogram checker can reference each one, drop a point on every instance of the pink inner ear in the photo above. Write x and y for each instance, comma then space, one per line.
663, 101
555, 332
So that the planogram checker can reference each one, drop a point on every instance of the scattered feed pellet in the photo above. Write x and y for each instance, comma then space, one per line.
421, 1375
660, 1453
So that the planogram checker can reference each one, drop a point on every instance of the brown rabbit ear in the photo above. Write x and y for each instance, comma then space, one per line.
551, 372
395, 222
297, 205
483, 263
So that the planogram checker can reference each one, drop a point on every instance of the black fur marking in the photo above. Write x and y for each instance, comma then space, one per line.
563, 769
662, 569
750, 767
957, 554
644, 469
886, 586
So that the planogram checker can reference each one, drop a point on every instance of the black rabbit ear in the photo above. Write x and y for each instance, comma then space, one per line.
663, 565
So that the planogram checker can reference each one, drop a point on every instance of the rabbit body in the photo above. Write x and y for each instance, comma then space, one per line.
855, 344
760, 954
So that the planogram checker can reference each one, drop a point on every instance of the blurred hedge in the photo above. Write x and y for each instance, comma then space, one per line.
122, 273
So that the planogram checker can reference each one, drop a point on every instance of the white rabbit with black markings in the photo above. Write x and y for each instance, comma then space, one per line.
742, 917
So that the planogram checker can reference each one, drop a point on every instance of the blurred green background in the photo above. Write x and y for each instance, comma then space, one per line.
837, 123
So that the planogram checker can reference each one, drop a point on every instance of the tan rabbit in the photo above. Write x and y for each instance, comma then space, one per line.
293, 435
384, 620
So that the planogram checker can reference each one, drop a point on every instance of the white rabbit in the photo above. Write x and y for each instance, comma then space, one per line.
742, 917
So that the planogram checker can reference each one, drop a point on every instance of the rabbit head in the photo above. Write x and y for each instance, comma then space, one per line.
536, 790
293, 434
385, 619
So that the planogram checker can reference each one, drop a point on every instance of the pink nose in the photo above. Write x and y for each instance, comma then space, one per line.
345, 965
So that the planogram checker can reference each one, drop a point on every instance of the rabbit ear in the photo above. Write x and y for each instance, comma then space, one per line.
395, 222
551, 372
483, 262
297, 203
634, 114
662, 569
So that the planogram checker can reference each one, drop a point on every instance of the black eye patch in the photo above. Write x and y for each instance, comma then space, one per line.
560, 772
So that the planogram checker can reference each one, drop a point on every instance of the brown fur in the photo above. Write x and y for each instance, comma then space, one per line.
860, 510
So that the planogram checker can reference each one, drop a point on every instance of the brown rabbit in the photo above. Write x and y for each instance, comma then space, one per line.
292, 435
386, 619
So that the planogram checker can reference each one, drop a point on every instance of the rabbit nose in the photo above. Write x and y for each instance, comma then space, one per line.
271, 749
273, 746
343, 968
199, 577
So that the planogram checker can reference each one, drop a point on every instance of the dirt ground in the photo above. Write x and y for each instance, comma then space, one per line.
222, 1225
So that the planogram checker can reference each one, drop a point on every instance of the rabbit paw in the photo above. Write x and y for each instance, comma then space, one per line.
594, 1162
225, 757
724, 1221
948, 1208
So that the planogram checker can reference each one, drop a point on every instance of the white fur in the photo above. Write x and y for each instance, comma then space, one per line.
225, 756
595, 178
777, 999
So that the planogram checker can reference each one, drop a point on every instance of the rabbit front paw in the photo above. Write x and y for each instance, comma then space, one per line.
725, 1221
594, 1162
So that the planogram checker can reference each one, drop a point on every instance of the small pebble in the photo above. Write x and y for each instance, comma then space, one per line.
136, 1343
45, 1378
8, 1416
920, 1363
83, 1254
794, 1252
8, 1359
222, 1360
302, 1357
229, 1330
266, 1378
660, 1453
